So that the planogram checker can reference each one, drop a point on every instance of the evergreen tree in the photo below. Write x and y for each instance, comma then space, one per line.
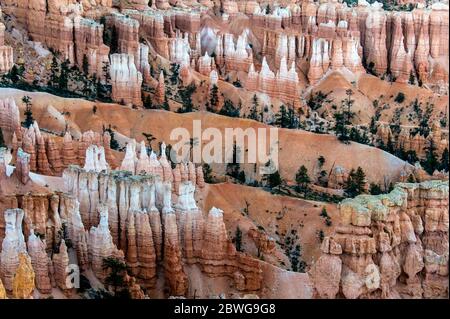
347, 107
113, 144
117, 271
321, 161
64, 76
360, 179
431, 163
150, 138
444, 161
238, 239
282, 118
302, 179
274, 179
340, 127
14, 74
54, 73
411, 157
2, 140
105, 70
241, 177
424, 119
214, 97
356, 136
114, 46
254, 110
411, 179
207, 173
375, 189
412, 78
373, 125
229, 109
355, 182
175, 71
390, 145
85, 66
148, 104
29, 120
233, 168
165, 105
186, 97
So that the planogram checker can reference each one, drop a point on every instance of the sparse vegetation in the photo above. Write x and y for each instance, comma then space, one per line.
355, 183
400, 98
115, 279
28, 113
238, 239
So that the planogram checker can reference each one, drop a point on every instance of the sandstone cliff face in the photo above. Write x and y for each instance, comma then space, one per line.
180, 236
322, 36
39, 261
126, 80
9, 119
417, 142
90, 46
283, 85
388, 246
49, 156
12, 246
24, 277
6, 53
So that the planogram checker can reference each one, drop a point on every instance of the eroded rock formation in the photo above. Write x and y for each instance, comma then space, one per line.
388, 246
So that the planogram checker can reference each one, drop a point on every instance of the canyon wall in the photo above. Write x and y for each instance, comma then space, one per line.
388, 246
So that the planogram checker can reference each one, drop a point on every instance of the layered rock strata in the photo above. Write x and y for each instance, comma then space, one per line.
388, 246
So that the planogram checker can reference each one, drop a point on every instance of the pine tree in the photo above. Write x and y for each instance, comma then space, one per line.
117, 270
214, 97
340, 128
207, 173
375, 189
29, 120
229, 109
444, 161
302, 179
114, 46
360, 179
85, 66
233, 168
113, 144
13, 74
165, 105
355, 183
2, 140
54, 73
347, 107
254, 110
390, 145
238, 239
105, 70
186, 97
412, 78
274, 179
282, 118
148, 104
411, 179
64, 76
174, 70
431, 163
